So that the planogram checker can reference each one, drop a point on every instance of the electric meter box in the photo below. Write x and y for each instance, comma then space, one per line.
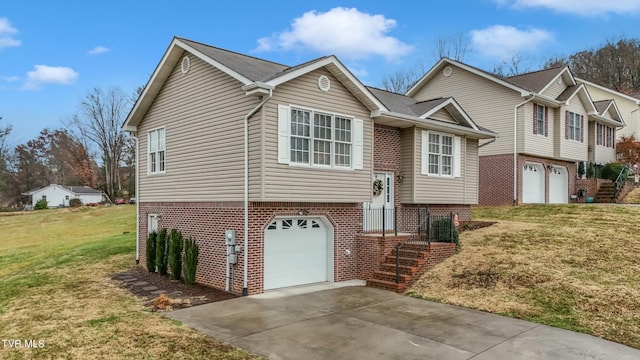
230, 237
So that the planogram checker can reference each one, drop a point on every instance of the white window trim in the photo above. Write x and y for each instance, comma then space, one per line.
576, 117
284, 139
544, 119
149, 172
456, 162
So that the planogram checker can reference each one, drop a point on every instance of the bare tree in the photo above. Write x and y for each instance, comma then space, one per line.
510, 67
454, 47
615, 65
102, 116
402, 80
4, 153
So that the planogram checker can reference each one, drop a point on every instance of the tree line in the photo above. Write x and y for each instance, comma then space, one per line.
90, 150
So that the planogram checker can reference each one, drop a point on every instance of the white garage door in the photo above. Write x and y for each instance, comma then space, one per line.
295, 252
532, 183
558, 185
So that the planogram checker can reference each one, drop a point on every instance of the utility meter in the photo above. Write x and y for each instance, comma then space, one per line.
230, 237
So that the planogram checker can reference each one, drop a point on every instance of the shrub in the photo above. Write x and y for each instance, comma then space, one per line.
41, 204
611, 171
190, 261
151, 251
162, 251
444, 230
75, 202
175, 253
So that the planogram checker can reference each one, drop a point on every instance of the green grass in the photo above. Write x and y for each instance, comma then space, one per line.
55, 267
570, 266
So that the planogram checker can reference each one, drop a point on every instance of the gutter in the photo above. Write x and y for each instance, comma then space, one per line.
137, 186
515, 148
437, 125
245, 280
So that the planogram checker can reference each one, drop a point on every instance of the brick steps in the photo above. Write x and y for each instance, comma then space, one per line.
413, 262
606, 193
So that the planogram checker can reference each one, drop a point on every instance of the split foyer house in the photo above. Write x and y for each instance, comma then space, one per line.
286, 162
628, 106
547, 124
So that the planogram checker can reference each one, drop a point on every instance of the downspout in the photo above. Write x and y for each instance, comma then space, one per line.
137, 186
245, 280
515, 150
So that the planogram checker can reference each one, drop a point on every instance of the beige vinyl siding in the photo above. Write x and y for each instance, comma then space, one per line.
629, 110
283, 182
489, 105
555, 89
572, 149
202, 112
535, 144
600, 153
408, 160
443, 115
428, 189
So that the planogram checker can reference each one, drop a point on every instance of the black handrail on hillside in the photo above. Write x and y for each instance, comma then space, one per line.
620, 180
421, 236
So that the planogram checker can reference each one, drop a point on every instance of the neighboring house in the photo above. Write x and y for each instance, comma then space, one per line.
629, 107
548, 124
285, 157
59, 196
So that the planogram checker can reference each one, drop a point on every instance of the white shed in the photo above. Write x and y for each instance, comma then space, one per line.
59, 196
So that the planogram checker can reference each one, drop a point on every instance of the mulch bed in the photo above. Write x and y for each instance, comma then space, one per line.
151, 286
474, 225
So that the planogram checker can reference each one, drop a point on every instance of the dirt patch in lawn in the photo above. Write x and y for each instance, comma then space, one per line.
159, 293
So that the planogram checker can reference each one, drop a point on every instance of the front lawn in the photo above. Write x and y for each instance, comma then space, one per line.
56, 293
575, 267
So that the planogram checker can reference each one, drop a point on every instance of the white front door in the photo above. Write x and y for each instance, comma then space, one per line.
381, 205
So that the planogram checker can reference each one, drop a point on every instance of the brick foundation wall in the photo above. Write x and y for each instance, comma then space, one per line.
438, 252
590, 185
207, 222
495, 184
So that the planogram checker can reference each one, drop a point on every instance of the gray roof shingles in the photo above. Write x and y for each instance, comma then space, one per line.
535, 81
403, 104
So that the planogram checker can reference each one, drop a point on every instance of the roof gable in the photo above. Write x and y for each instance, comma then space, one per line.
444, 62
539, 81
252, 73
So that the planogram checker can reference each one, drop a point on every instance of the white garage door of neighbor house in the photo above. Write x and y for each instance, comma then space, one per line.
532, 184
558, 185
295, 252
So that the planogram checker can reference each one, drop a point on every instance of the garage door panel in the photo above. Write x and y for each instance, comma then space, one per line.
295, 252
533, 189
558, 185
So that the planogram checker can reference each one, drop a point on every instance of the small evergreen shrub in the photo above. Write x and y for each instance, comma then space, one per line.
151, 251
175, 253
190, 261
41, 205
611, 171
162, 251
75, 202
443, 230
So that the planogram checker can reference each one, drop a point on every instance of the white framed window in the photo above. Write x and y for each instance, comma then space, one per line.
319, 138
156, 162
540, 125
441, 154
574, 126
610, 137
600, 134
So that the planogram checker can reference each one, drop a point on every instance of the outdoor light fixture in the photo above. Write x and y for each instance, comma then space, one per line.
400, 177
303, 212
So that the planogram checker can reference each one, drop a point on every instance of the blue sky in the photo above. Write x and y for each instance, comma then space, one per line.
53, 53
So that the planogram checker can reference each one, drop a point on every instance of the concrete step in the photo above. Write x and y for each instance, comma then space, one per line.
386, 285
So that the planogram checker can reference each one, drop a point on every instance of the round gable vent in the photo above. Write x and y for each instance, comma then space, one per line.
324, 83
186, 64
447, 71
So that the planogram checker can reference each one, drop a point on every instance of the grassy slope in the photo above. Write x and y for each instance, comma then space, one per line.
574, 267
55, 267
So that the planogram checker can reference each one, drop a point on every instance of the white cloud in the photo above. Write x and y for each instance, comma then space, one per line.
6, 34
341, 31
44, 74
503, 42
99, 50
9, 78
580, 7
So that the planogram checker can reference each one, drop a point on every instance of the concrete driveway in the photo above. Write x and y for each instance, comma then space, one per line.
366, 323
